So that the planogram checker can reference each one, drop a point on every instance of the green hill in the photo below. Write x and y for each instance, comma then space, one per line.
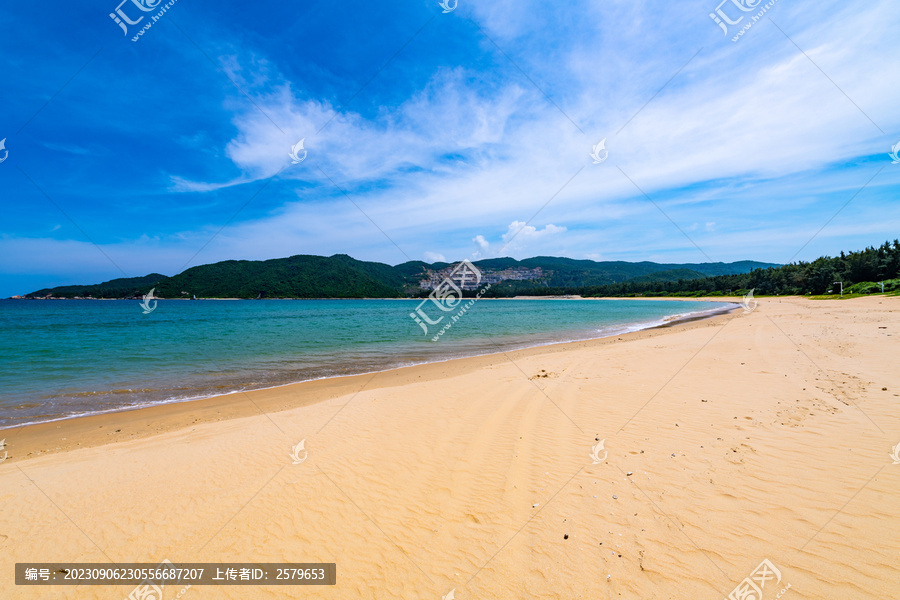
569, 272
859, 271
341, 276
300, 276
671, 275
125, 287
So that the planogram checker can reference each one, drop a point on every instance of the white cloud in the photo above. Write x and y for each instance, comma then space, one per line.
484, 153
750, 141
433, 257
483, 246
518, 240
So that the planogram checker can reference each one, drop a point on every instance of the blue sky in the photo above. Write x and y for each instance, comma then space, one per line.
444, 133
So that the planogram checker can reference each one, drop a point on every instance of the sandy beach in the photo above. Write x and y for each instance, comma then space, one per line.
725, 441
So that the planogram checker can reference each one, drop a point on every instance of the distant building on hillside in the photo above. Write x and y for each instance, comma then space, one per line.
492, 276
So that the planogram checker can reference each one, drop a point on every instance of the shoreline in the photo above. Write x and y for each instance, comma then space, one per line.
641, 326
53, 436
552, 297
666, 461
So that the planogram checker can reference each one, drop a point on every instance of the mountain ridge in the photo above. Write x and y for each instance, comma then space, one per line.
342, 276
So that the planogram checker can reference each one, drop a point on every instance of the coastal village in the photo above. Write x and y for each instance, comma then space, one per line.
492, 276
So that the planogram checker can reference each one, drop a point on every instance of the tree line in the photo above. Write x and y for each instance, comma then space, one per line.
860, 272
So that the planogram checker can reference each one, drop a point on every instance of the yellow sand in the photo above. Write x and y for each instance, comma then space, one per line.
752, 436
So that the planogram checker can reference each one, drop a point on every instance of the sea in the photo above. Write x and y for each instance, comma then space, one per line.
65, 358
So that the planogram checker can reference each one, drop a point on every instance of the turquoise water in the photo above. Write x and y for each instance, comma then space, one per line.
68, 357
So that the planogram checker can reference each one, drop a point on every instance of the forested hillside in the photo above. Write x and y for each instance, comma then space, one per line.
341, 276
860, 272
